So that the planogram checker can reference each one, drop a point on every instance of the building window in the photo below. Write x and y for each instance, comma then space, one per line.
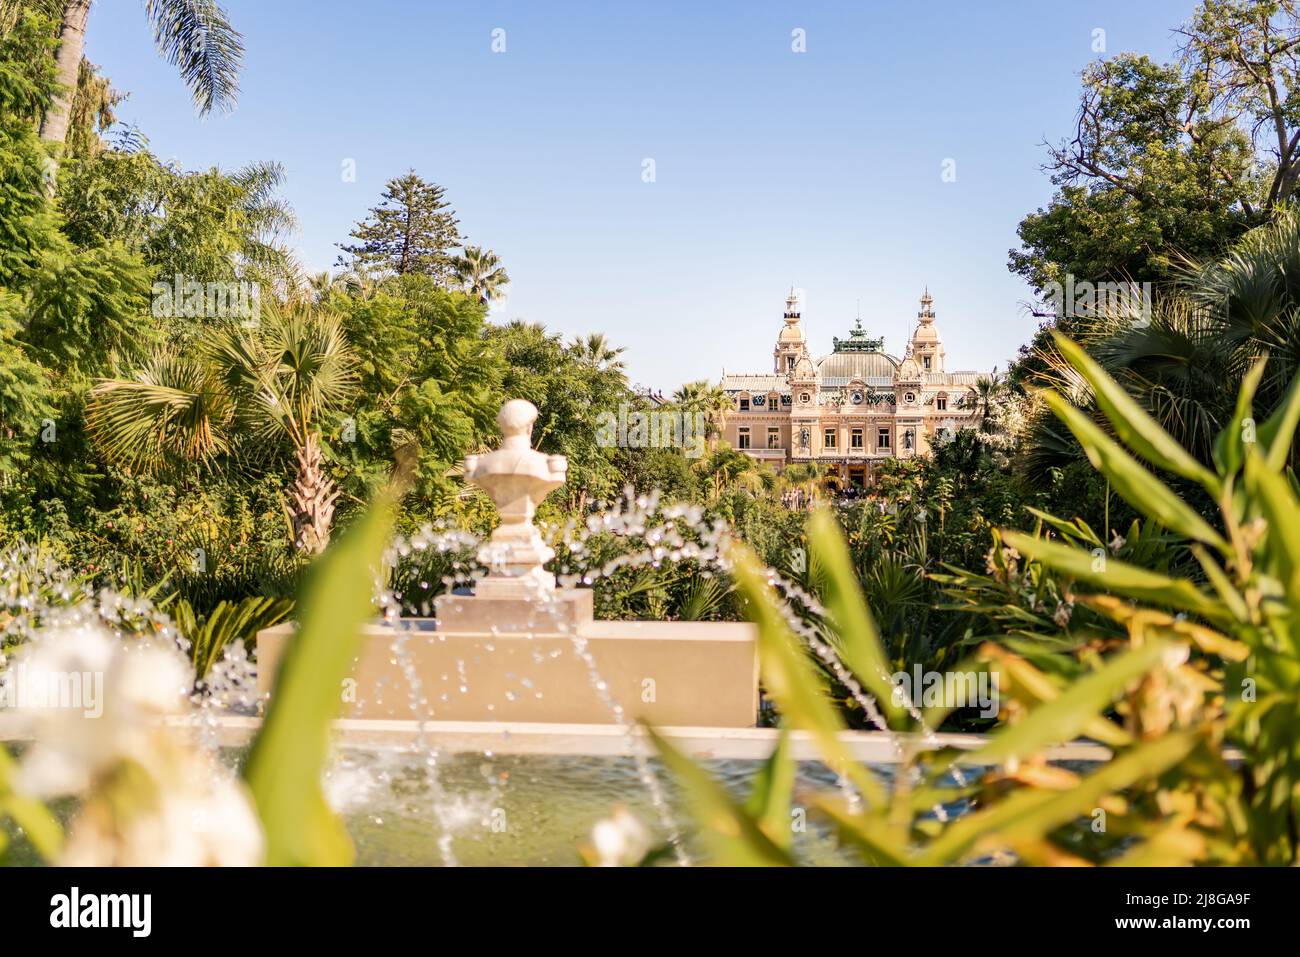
828, 440
855, 439
744, 404
789, 363
941, 403
926, 361
882, 439
773, 438
742, 439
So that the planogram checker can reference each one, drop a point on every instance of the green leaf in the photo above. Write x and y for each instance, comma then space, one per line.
769, 800
1134, 484
859, 642
791, 680
1278, 431
867, 835
1131, 422
289, 754
37, 822
1121, 578
734, 838
1229, 445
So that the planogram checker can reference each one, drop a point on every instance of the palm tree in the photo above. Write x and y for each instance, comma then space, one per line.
193, 35
806, 477
596, 351
710, 401
1186, 361
987, 388
237, 387
726, 468
480, 273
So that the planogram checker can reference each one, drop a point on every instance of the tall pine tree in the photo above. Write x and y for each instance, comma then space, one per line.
411, 231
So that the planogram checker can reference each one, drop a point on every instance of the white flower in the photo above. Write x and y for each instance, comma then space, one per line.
201, 818
620, 840
92, 700
150, 797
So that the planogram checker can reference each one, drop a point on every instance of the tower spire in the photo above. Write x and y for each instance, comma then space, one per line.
926, 314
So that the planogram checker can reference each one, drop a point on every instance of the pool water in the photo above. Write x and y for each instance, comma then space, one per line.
517, 810
513, 810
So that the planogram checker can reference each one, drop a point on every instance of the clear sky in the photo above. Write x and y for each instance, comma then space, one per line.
821, 169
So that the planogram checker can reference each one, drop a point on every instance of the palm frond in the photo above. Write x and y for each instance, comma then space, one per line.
198, 38
171, 411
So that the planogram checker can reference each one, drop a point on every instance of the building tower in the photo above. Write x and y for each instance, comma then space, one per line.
926, 347
790, 343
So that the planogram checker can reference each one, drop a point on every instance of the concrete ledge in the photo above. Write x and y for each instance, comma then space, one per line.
872, 747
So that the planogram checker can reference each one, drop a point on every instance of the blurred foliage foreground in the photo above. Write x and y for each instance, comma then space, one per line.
1197, 704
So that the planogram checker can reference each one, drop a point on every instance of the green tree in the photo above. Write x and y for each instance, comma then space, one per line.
428, 381
412, 230
207, 225
231, 395
707, 400
571, 387
480, 274
1152, 169
1186, 363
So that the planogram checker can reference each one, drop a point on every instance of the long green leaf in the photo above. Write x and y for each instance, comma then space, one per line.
1229, 445
769, 800
285, 765
791, 680
1278, 431
1063, 717
733, 836
1029, 815
1119, 577
35, 819
859, 641
1134, 484
1131, 422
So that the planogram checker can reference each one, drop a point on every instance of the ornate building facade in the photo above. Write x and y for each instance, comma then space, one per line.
851, 409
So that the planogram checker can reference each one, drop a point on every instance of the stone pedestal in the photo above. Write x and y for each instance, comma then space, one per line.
562, 612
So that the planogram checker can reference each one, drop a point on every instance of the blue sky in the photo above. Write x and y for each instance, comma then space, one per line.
820, 169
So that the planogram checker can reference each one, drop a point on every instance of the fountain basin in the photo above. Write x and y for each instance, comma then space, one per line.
523, 665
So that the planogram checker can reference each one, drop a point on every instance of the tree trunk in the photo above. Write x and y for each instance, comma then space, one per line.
72, 42
312, 499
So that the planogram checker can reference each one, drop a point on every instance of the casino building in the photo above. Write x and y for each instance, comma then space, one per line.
853, 408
